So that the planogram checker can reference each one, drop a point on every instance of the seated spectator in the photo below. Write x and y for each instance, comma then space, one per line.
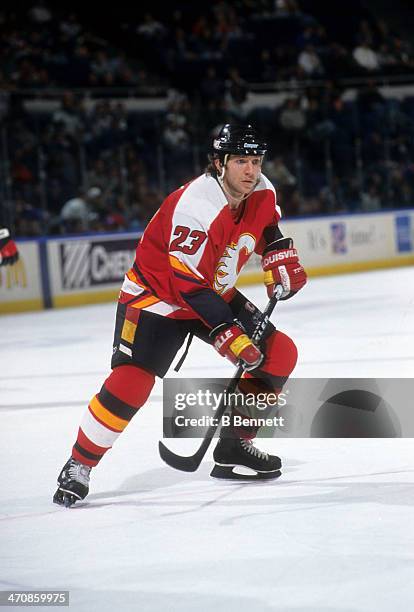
30, 221
285, 8
365, 34
78, 213
211, 88
151, 28
309, 61
71, 26
386, 57
175, 136
277, 172
366, 57
40, 13
370, 199
337, 60
284, 181
236, 90
69, 114
402, 50
292, 116
103, 70
369, 98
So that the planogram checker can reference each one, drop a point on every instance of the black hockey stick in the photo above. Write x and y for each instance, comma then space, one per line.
191, 463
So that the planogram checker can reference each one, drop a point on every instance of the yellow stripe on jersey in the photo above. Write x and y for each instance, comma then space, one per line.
107, 417
178, 265
146, 301
132, 276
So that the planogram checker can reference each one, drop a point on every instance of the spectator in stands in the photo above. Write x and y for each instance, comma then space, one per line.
370, 199
332, 197
292, 117
285, 8
177, 156
403, 52
30, 220
116, 219
77, 214
310, 63
175, 137
312, 35
365, 34
365, 57
236, 90
105, 174
180, 50
103, 70
206, 44
151, 28
70, 26
284, 181
40, 13
337, 60
266, 67
369, 98
98, 174
69, 114
383, 35
211, 88
227, 26
386, 58
374, 147
278, 173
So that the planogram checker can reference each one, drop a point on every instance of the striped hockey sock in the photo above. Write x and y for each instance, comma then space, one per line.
125, 390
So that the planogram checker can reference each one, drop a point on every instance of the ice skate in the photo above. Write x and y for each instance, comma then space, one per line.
238, 459
73, 483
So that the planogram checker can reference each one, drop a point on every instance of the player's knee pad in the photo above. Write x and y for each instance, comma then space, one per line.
130, 384
281, 354
280, 359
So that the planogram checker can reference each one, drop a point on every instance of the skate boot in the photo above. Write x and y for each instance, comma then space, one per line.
239, 459
73, 483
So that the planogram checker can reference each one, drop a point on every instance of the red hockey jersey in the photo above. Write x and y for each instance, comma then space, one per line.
193, 250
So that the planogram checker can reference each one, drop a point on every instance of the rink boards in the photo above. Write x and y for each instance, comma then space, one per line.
68, 271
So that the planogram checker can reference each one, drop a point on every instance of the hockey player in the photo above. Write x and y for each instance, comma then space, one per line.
8, 249
183, 282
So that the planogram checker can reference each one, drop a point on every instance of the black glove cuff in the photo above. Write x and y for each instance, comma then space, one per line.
278, 245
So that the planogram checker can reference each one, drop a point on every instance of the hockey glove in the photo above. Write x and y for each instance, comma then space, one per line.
281, 267
231, 341
8, 250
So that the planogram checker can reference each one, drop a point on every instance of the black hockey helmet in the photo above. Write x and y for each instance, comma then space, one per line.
236, 139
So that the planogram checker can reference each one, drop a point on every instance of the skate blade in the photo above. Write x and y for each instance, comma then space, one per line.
65, 498
240, 472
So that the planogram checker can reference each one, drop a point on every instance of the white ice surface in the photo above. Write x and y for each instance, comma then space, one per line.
334, 533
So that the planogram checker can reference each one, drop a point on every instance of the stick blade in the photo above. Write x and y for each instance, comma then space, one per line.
185, 464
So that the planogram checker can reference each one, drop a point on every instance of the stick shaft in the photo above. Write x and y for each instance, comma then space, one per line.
191, 463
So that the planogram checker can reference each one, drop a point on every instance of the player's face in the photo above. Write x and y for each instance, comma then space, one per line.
242, 174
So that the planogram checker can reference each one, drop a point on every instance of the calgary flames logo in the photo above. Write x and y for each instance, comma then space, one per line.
231, 262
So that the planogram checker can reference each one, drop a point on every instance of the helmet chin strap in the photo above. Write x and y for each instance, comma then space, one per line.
220, 178
223, 170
